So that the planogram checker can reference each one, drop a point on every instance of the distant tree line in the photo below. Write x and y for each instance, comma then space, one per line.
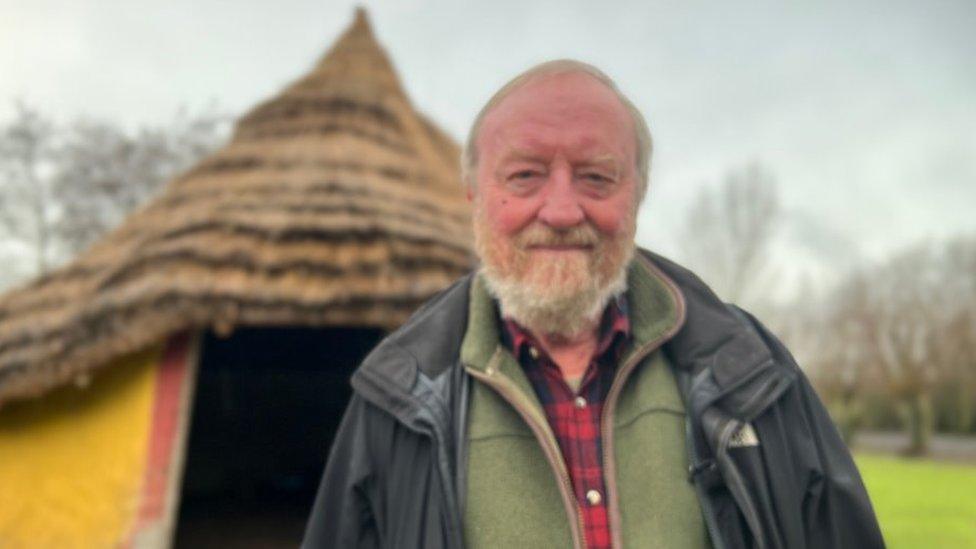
891, 346
897, 343
63, 186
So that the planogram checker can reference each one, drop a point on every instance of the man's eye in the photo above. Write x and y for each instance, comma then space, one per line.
523, 174
596, 178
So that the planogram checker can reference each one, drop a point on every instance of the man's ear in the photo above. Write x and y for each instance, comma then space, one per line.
469, 193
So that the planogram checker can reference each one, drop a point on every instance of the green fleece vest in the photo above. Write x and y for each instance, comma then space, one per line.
514, 495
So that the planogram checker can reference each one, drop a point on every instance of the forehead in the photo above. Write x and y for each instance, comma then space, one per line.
573, 111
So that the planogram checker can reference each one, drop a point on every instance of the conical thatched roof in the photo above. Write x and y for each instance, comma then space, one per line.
334, 203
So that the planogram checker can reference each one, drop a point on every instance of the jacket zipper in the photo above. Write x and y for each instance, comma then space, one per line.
606, 422
501, 384
733, 481
695, 457
708, 510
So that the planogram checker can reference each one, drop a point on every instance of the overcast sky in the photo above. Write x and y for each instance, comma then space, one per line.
865, 112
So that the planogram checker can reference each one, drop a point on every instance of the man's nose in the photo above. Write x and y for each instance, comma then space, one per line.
561, 208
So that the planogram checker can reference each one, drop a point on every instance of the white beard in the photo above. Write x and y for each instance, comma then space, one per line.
559, 297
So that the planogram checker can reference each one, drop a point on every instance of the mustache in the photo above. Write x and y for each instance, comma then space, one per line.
538, 234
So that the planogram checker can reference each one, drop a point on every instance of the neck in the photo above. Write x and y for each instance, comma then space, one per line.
556, 340
571, 353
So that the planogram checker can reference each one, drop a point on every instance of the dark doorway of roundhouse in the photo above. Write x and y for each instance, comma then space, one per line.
266, 407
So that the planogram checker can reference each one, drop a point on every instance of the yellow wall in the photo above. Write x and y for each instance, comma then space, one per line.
71, 462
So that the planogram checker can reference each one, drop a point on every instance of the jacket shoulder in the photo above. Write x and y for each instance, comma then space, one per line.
746, 367
428, 342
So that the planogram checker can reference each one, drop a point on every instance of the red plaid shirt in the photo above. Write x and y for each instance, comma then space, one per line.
575, 417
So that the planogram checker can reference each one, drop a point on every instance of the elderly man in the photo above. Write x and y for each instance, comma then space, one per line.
576, 391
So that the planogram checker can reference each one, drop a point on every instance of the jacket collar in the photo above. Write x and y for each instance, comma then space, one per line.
720, 347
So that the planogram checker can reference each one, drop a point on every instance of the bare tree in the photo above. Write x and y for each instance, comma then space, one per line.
904, 330
27, 207
957, 353
729, 230
909, 321
104, 173
62, 189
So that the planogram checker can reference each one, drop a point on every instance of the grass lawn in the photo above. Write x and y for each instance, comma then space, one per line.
922, 503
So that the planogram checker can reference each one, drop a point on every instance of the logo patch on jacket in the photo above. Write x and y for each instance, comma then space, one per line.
746, 436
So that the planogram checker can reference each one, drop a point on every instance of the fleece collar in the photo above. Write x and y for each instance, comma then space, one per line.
656, 308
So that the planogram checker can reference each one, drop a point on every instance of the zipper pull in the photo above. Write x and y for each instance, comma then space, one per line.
705, 473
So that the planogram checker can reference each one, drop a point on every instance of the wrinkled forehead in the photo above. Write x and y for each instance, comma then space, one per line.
515, 147
577, 106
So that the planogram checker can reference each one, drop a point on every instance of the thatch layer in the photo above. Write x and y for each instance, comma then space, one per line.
334, 203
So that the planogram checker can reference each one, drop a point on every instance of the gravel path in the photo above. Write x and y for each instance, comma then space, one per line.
942, 447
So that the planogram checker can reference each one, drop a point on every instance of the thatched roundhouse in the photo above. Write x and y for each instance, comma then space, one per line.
254, 283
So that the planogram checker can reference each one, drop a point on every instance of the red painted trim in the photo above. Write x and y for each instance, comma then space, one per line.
171, 377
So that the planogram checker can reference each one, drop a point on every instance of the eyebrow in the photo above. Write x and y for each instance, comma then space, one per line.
606, 161
519, 155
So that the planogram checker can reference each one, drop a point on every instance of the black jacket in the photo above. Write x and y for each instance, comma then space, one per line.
395, 475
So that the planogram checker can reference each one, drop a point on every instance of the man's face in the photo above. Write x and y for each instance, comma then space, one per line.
555, 196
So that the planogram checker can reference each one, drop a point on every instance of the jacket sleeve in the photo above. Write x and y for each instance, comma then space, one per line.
342, 515
834, 505
837, 510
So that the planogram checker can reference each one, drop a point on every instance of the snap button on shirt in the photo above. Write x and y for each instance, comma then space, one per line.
594, 497
576, 422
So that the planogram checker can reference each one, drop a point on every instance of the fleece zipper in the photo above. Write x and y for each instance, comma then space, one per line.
507, 389
613, 395
606, 429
